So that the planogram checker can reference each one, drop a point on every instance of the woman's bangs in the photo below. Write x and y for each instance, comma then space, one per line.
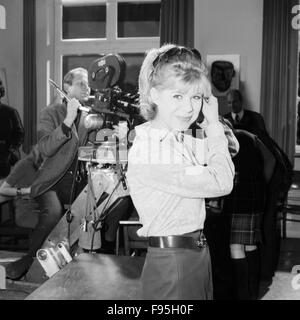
199, 81
204, 86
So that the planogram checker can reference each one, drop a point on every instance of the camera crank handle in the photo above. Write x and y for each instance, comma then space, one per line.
82, 108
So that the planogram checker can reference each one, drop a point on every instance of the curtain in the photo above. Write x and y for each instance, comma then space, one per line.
177, 22
29, 74
279, 73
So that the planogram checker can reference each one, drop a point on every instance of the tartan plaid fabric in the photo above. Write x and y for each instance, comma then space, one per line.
245, 229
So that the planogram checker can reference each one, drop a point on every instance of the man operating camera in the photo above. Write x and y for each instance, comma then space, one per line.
60, 178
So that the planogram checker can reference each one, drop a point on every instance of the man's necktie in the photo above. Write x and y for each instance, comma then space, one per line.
237, 118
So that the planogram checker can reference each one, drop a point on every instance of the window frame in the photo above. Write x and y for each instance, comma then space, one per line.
110, 44
297, 146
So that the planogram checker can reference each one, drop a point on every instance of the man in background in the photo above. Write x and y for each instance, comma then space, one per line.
252, 120
11, 135
60, 178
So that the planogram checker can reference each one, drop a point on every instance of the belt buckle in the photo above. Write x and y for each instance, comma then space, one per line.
201, 243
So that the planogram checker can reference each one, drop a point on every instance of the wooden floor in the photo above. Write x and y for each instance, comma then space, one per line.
15, 290
281, 287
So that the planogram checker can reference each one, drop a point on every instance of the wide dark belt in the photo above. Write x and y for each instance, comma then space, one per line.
186, 242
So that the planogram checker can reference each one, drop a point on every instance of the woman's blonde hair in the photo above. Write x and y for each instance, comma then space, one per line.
167, 63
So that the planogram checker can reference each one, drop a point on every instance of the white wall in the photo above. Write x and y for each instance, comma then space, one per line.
11, 52
233, 27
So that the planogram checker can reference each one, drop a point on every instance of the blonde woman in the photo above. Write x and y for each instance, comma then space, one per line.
170, 173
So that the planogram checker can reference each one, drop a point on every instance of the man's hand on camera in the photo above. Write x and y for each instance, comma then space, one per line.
72, 108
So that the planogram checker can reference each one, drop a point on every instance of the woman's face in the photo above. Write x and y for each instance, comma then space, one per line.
178, 105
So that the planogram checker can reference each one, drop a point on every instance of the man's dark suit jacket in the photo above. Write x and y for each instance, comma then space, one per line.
57, 149
252, 121
11, 137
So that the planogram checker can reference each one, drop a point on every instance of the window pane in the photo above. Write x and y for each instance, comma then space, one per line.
84, 22
133, 65
75, 61
138, 19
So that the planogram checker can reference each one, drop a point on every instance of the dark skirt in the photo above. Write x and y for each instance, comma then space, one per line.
177, 274
245, 229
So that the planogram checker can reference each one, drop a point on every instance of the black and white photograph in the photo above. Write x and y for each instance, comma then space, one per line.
150, 153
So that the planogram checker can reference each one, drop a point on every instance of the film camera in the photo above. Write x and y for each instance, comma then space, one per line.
109, 107
110, 103
106, 194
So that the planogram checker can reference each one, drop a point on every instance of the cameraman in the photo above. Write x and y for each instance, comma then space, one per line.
60, 178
